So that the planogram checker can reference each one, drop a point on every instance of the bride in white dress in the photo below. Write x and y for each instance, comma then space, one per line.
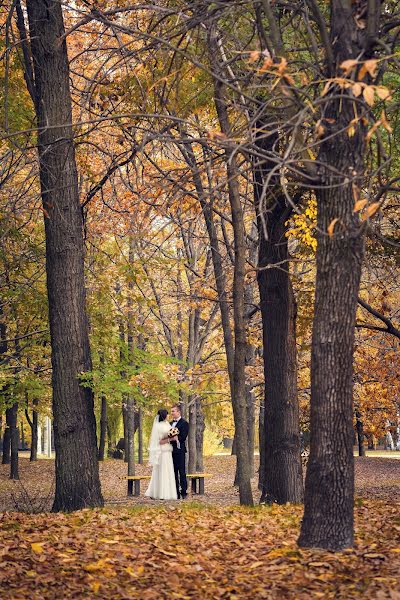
162, 484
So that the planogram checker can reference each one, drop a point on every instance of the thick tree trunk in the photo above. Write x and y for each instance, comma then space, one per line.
77, 474
328, 520
281, 478
14, 435
103, 428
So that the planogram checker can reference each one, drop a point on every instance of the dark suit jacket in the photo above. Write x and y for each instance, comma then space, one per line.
183, 427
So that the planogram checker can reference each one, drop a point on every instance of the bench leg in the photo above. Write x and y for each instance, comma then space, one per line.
201, 486
130, 487
194, 486
137, 487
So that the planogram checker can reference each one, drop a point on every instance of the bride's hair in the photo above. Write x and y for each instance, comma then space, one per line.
162, 414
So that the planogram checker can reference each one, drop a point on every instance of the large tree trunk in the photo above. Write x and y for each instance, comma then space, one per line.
281, 477
329, 494
77, 474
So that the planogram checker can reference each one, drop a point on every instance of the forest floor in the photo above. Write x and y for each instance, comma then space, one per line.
205, 547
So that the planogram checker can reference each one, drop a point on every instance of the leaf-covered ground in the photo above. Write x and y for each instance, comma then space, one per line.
212, 549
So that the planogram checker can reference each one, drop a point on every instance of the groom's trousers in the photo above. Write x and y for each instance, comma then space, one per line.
180, 473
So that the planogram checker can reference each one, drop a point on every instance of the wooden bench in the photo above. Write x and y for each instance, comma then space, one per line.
198, 482
134, 482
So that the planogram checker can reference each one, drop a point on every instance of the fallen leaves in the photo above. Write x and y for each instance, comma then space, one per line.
203, 551
140, 549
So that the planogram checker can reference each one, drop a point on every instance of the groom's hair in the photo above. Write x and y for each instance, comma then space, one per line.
178, 407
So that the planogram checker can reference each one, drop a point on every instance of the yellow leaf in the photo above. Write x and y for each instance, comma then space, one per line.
254, 56
357, 89
266, 65
395, 550
37, 547
369, 95
348, 65
282, 66
326, 88
372, 130
332, 227
369, 66
359, 205
371, 210
95, 585
385, 122
255, 565
351, 130
382, 92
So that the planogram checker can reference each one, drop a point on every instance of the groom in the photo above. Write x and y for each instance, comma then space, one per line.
179, 450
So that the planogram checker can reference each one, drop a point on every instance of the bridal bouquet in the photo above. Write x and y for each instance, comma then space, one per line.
173, 432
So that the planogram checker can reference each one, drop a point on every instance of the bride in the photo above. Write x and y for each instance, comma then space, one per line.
162, 484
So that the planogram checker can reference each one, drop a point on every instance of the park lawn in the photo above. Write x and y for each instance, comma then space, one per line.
137, 548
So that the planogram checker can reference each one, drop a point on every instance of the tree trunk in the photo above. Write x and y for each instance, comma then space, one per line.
238, 391
262, 446
140, 435
130, 407
77, 474
103, 427
7, 439
281, 479
33, 424
200, 427
192, 436
360, 434
14, 438
328, 520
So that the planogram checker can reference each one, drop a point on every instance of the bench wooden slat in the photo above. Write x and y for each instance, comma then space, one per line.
134, 480
135, 477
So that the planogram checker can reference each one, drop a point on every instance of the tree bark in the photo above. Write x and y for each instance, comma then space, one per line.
77, 474
192, 436
6, 460
328, 520
103, 428
33, 424
360, 434
14, 438
200, 427
281, 478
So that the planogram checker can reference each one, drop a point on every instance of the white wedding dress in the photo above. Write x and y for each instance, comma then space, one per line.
162, 484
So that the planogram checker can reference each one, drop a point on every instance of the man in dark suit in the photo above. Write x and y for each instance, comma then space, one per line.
179, 450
